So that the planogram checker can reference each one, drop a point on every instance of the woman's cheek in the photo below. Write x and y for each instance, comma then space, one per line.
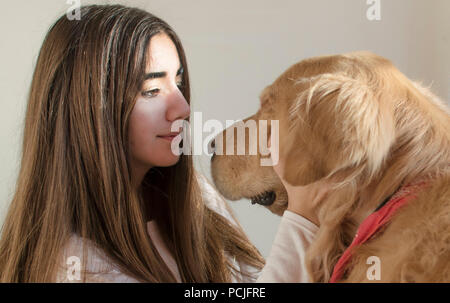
146, 123
142, 128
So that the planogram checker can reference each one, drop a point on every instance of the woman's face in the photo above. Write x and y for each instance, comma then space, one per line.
158, 104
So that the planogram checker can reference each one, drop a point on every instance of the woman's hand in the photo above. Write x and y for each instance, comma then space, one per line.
302, 200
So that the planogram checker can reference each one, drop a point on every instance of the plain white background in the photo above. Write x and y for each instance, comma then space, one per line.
234, 49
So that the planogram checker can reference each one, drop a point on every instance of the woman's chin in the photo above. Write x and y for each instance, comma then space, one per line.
169, 161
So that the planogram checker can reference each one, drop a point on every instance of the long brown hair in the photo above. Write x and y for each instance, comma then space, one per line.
75, 174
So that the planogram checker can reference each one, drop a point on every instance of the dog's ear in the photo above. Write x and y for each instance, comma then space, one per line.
337, 124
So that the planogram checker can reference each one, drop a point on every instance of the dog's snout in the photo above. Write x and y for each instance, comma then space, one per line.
212, 148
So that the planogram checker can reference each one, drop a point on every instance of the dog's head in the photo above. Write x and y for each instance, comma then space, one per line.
336, 121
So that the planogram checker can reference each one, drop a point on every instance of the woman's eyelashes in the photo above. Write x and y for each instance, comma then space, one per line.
151, 93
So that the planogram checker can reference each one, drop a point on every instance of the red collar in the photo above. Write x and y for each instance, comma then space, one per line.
374, 222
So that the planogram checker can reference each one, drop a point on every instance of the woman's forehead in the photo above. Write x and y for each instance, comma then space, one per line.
163, 55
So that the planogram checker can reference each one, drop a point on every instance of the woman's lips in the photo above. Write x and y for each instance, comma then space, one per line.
169, 137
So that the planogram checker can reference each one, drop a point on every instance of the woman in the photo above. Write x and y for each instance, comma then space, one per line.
97, 174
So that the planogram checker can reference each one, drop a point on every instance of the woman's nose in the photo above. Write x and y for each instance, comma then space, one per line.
179, 108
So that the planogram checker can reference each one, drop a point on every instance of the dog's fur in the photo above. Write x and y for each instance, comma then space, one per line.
357, 121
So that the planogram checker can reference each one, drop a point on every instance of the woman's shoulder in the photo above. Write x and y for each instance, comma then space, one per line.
81, 256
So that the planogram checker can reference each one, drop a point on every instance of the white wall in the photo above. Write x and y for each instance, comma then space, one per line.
236, 48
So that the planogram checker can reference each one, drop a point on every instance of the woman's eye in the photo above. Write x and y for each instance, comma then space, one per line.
151, 93
155, 91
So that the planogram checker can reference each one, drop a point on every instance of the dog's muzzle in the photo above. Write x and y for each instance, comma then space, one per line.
212, 148
267, 198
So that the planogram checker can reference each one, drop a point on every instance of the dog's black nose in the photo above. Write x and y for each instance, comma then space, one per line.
212, 148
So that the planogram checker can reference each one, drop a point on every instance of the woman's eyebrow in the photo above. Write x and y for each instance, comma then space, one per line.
155, 75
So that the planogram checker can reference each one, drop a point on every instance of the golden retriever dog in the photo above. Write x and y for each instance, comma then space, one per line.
357, 121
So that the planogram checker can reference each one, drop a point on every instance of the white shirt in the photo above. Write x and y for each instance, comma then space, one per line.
284, 264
